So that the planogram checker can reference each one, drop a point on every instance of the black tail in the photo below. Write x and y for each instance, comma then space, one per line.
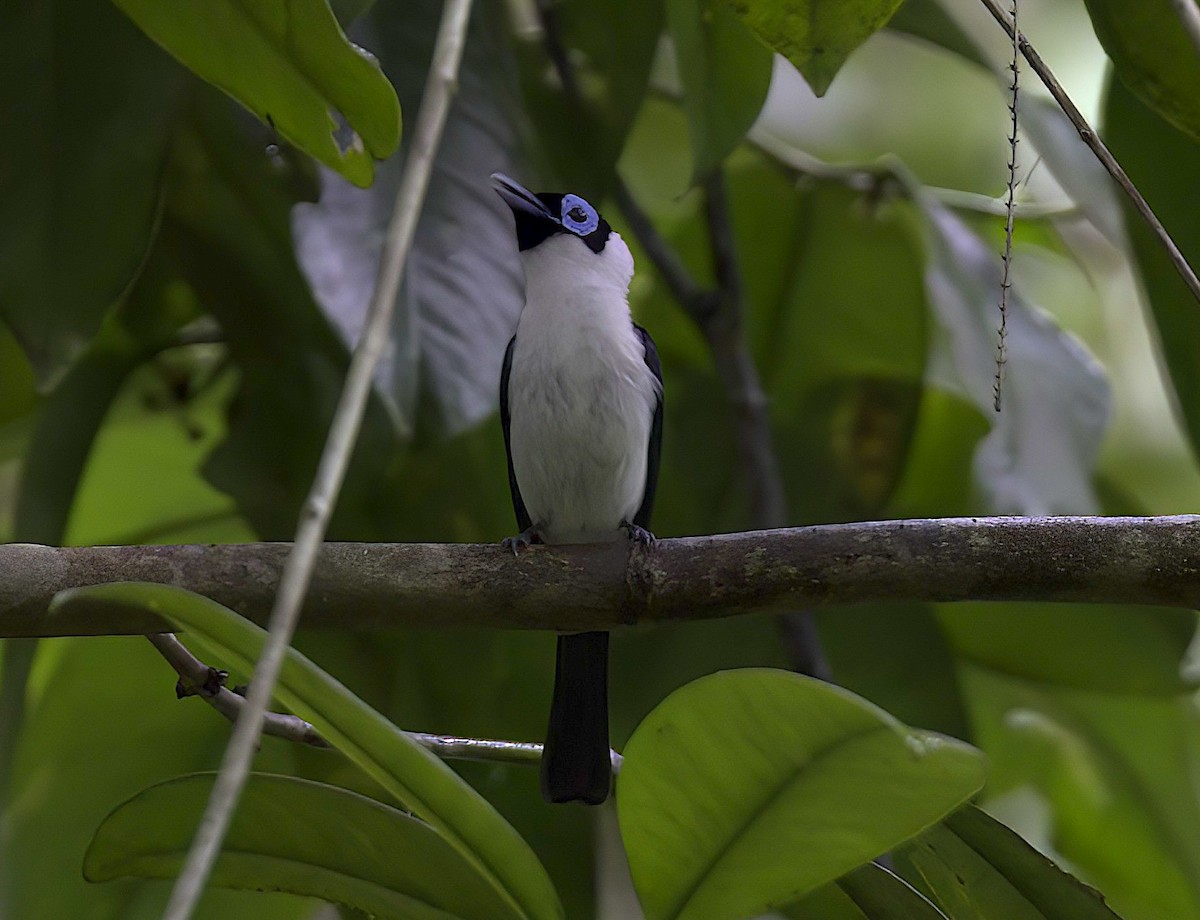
576, 765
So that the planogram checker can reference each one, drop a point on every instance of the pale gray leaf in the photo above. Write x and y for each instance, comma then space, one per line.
1039, 456
462, 287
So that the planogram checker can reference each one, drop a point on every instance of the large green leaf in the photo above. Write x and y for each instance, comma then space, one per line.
726, 73
289, 63
815, 35
1118, 771
869, 892
417, 778
897, 656
615, 44
90, 742
86, 107
1114, 649
1165, 165
1154, 55
978, 869
227, 227
306, 838
747, 789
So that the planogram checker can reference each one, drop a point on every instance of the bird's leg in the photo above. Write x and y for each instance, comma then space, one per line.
638, 534
531, 534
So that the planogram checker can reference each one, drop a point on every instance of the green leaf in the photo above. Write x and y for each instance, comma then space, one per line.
1114, 648
290, 64
86, 103
1118, 771
869, 892
1154, 56
1164, 164
75, 761
227, 228
306, 838
616, 42
897, 656
746, 789
815, 35
417, 778
726, 73
978, 869
929, 21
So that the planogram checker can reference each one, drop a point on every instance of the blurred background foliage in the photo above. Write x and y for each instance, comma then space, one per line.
178, 286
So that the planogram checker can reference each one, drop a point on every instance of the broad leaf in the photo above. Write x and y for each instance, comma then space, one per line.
462, 287
289, 64
929, 21
615, 43
746, 789
726, 73
86, 107
1164, 164
76, 759
1113, 648
302, 837
1118, 771
815, 35
414, 776
978, 869
1154, 54
227, 229
869, 892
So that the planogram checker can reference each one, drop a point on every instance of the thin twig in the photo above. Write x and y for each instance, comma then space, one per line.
1010, 209
1189, 15
318, 507
724, 330
1097, 146
198, 679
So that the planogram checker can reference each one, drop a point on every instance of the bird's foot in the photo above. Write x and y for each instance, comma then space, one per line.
638, 534
526, 537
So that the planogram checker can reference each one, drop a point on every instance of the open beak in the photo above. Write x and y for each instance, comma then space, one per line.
520, 199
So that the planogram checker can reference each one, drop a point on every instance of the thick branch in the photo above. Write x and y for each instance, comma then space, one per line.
1146, 560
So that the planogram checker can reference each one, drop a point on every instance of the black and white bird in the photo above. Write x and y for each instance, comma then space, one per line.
581, 405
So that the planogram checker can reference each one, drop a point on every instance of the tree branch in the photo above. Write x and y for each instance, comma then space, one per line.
1135, 560
1097, 146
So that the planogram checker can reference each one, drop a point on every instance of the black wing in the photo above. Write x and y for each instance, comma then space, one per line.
654, 450
523, 522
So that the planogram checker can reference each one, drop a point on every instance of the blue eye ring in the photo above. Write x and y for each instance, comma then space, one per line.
572, 208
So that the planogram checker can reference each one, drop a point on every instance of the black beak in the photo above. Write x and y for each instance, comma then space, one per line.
520, 199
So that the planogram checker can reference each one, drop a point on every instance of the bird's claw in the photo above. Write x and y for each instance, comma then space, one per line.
522, 540
638, 534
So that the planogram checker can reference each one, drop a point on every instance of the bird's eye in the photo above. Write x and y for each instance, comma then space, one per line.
578, 216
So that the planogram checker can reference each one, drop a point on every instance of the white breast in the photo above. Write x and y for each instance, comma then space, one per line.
581, 398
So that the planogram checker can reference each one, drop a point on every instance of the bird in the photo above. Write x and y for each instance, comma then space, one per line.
581, 407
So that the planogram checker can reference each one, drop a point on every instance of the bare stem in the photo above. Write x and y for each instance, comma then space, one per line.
1097, 146
318, 507
198, 679
1010, 209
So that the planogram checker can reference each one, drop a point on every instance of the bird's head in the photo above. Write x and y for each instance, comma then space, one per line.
556, 226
